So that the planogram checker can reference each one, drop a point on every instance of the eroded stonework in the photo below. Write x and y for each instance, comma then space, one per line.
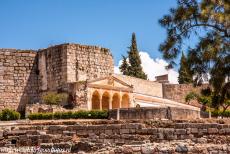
26, 74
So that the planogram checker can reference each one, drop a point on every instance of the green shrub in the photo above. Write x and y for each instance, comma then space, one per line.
66, 115
47, 116
97, 114
217, 113
53, 98
40, 116
83, 114
191, 96
57, 115
8, 114
94, 114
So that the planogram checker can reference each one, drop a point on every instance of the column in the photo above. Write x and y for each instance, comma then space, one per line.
120, 100
100, 97
118, 110
100, 102
110, 102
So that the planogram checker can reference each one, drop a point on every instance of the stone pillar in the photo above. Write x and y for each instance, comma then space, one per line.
100, 97
100, 102
110, 102
118, 110
120, 101
118, 114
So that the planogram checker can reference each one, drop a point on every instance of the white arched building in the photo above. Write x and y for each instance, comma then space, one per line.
120, 91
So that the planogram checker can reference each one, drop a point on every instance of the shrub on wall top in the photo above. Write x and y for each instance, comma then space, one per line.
8, 114
52, 98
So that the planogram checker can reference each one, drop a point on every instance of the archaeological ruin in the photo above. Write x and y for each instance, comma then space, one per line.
143, 116
86, 74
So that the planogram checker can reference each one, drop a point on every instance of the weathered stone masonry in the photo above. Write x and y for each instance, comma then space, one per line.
106, 136
18, 78
178, 92
26, 74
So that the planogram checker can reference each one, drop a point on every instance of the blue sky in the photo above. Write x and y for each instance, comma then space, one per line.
34, 24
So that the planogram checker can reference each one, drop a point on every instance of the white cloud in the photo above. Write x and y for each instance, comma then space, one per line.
117, 70
153, 67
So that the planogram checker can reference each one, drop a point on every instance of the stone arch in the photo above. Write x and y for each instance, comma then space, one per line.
95, 100
105, 100
125, 101
116, 101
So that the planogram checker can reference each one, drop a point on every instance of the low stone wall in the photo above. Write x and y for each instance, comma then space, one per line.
154, 113
121, 136
43, 108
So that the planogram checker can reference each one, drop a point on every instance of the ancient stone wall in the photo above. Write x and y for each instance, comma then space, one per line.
18, 78
155, 113
52, 66
88, 62
26, 75
178, 92
107, 136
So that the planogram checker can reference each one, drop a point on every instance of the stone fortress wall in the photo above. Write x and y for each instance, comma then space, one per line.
88, 62
26, 74
18, 78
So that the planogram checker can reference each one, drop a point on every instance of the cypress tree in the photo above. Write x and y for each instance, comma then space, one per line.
124, 66
185, 75
135, 68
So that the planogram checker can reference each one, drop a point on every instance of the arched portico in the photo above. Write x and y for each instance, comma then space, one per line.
95, 100
106, 100
116, 101
125, 101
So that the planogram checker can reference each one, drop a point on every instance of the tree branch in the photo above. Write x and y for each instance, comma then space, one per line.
205, 25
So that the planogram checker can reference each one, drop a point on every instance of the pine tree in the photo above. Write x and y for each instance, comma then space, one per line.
185, 75
135, 68
124, 66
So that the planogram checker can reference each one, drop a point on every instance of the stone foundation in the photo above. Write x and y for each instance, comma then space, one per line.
121, 136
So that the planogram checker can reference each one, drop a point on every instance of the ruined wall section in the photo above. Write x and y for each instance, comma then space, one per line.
178, 92
26, 75
90, 62
18, 78
52, 66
